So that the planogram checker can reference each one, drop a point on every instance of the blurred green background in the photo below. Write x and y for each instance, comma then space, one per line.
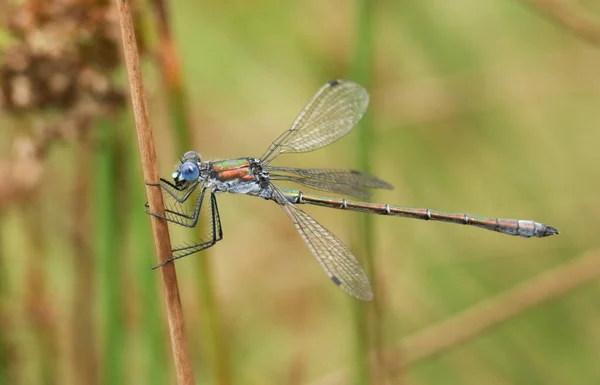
482, 107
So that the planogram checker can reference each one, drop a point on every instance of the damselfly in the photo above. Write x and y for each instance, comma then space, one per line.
332, 113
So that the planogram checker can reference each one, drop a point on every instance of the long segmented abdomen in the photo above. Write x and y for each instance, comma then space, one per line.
519, 227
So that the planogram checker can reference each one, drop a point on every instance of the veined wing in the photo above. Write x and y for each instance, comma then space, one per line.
335, 258
332, 112
340, 181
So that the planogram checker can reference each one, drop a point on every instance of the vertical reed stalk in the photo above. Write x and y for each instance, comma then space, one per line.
170, 70
110, 269
39, 306
83, 353
162, 239
368, 319
7, 351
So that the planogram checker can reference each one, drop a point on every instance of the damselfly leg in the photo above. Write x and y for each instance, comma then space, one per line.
173, 189
215, 226
180, 217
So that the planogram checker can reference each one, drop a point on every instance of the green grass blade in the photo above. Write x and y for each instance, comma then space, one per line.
109, 261
367, 327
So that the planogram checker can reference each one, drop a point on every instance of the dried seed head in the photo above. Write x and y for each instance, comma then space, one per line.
58, 69
66, 51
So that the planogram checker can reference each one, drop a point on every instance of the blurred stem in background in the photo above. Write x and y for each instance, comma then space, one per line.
6, 348
38, 301
367, 315
568, 15
83, 353
170, 70
110, 260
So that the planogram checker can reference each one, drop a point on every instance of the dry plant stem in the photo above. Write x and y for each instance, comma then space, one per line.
169, 60
160, 230
84, 355
39, 301
171, 72
564, 14
503, 307
481, 317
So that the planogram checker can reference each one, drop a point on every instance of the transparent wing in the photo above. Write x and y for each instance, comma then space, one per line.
335, 258
340, 181
332, 112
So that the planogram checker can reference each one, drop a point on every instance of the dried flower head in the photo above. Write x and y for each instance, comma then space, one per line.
59, 67
66, 52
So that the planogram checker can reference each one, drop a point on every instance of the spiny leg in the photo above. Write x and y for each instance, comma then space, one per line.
172, 189
193, 217
217, 235
172, 212
217, 231
216, 215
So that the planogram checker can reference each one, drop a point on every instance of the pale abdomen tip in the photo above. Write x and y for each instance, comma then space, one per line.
549, 230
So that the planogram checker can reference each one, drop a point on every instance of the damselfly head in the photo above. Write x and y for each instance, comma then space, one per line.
188, 171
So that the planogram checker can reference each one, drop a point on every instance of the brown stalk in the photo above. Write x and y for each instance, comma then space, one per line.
82, 329
160, 230
39, 303
481, 317
564, 14
503, 307
169, 61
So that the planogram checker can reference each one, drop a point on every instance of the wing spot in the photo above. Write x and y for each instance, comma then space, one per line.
334, 83
336, 280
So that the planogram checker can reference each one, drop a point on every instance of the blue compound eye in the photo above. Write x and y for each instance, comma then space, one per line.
189, 171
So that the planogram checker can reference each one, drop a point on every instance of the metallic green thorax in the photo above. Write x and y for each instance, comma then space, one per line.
222, 165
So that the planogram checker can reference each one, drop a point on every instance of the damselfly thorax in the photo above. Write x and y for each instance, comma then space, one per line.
332, 113
240, 176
